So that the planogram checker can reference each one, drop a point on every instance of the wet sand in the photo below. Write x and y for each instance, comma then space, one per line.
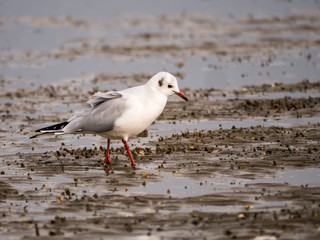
233, 163
208, 184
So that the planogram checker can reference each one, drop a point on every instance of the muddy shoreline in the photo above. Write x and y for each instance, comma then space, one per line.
205, 184
247, 210
240, 160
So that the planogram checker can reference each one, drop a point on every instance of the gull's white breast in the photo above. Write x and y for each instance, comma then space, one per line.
142, 109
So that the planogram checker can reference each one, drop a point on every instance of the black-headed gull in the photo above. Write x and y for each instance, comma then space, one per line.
121, 114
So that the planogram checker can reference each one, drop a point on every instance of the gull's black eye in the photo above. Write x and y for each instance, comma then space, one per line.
170, 86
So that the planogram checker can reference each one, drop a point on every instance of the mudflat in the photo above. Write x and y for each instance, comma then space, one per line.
240, 160
240, 182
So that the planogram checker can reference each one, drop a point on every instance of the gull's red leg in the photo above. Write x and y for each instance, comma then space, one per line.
133, 164
107, 158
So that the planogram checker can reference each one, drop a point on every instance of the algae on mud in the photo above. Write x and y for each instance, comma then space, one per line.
221, 182
203, 183
68, 193
250, 171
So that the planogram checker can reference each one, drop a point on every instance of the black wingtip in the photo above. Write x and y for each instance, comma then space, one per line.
53, 127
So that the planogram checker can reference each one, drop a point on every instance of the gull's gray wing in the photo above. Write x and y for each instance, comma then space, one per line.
105, 109
100, 97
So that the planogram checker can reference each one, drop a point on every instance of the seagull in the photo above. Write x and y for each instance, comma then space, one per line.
121, 114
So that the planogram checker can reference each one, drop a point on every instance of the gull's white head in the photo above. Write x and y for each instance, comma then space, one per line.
166, 84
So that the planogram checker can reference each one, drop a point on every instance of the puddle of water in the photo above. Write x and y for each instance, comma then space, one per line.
55, 179
81, 71
279, 95
101, 10
39, 181
271, 204
181, 187
166, 129
297, 177
27, 186
31, 206
235, 75
233, 208
210, 209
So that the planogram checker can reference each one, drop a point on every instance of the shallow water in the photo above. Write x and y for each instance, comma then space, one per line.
225, 45
159, 129
43, 37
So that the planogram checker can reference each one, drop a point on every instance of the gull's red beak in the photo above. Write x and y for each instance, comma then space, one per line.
180, 94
